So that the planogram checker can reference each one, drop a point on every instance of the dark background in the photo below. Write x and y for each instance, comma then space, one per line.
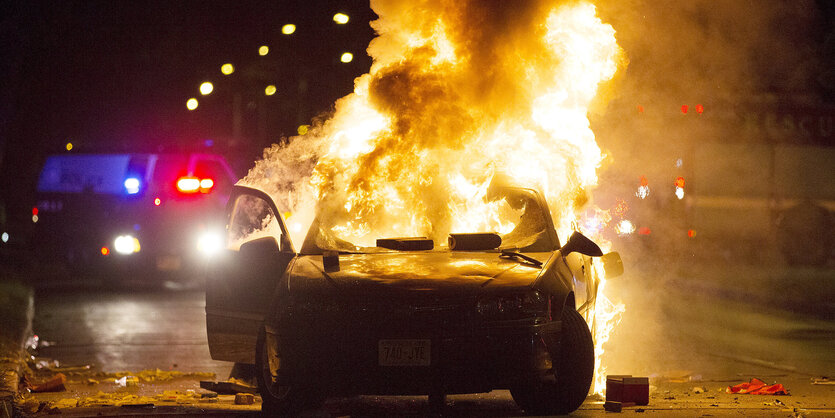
116, 75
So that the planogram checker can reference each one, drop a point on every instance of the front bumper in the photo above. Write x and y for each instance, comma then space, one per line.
345, 359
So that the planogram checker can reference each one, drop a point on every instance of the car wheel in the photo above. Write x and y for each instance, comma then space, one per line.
277, 398
566, 387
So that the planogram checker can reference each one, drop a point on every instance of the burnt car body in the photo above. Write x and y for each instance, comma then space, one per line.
336, 319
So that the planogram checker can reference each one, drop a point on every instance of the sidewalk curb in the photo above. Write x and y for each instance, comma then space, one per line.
12, 361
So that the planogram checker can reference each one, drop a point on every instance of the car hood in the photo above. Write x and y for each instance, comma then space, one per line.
439, 273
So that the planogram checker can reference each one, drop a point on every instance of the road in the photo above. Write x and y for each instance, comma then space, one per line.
690, 341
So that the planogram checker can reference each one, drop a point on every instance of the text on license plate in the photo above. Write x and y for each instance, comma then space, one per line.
404, 352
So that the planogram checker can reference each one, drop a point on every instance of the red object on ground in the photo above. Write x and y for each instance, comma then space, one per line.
627, 390
758, 387
56, 384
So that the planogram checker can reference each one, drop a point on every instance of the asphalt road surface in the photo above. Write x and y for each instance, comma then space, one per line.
690, 339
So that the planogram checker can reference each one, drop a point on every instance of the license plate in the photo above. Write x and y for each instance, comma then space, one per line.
168, 263
404, 352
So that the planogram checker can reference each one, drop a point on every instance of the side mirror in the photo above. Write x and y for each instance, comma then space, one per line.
612, 264
580, 244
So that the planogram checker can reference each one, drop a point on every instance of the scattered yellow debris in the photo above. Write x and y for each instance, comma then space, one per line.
157, 375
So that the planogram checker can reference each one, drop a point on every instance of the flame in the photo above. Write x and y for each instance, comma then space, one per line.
458, 92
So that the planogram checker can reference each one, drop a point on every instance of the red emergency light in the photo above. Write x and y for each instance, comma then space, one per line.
190, 185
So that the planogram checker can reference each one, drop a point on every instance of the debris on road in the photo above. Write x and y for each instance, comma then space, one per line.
55, 384
244, 399
758, 387
127, 381
697, 390
230, 387
822, 381
627, 389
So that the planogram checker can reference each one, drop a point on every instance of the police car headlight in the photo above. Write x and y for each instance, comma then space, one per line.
126, 244
209, 243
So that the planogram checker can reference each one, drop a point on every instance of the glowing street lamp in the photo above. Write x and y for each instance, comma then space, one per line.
270, 90
347, 57
227, 69
206, 88
191, 104
263, 50
340, 18
288, 29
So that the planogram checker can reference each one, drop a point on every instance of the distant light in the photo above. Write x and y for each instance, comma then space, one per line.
69, 146
5, 237
644, 181
206, 88
643, 192
132, 185
347, 57
105, 251
340, 18
303, 129
157, 202
700, 109
34, 219
680, 193
227, 68
207, 183
644, 231
263, 50
625, 227
679, 163
679, 182
691, 233
684, 109
191, 104
35, 211
270, 90
640, 109
288, 29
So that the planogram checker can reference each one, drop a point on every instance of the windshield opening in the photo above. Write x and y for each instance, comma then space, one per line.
520, 216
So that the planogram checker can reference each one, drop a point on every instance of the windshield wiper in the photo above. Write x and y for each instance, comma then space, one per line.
517, 255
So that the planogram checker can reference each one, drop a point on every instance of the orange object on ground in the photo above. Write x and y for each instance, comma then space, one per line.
758, 387
56, 384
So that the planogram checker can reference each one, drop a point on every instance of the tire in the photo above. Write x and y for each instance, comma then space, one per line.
564, 389
278, 399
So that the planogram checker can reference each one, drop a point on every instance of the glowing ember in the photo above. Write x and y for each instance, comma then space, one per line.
458, 92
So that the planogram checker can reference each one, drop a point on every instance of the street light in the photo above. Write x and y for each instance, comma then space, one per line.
191, 104
340, 18
263, 50
347, 57
288, 29
206, 88
270, 90
227, 68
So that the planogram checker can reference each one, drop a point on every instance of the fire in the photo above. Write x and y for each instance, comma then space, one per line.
459, 92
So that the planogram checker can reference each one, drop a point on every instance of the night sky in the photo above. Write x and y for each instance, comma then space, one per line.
116, 75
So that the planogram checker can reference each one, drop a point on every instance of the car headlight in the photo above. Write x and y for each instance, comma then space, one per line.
126, 244
513, 306
209, 242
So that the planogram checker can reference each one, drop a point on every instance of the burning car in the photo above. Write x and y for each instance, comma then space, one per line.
409, 316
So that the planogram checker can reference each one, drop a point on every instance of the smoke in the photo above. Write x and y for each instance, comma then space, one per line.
738, 59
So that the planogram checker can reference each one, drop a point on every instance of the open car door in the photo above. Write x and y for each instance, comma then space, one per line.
240, 283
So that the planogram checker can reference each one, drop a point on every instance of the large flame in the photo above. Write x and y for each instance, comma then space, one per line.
459, 91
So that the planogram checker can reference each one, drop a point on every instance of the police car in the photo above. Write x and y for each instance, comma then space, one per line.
142, 213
